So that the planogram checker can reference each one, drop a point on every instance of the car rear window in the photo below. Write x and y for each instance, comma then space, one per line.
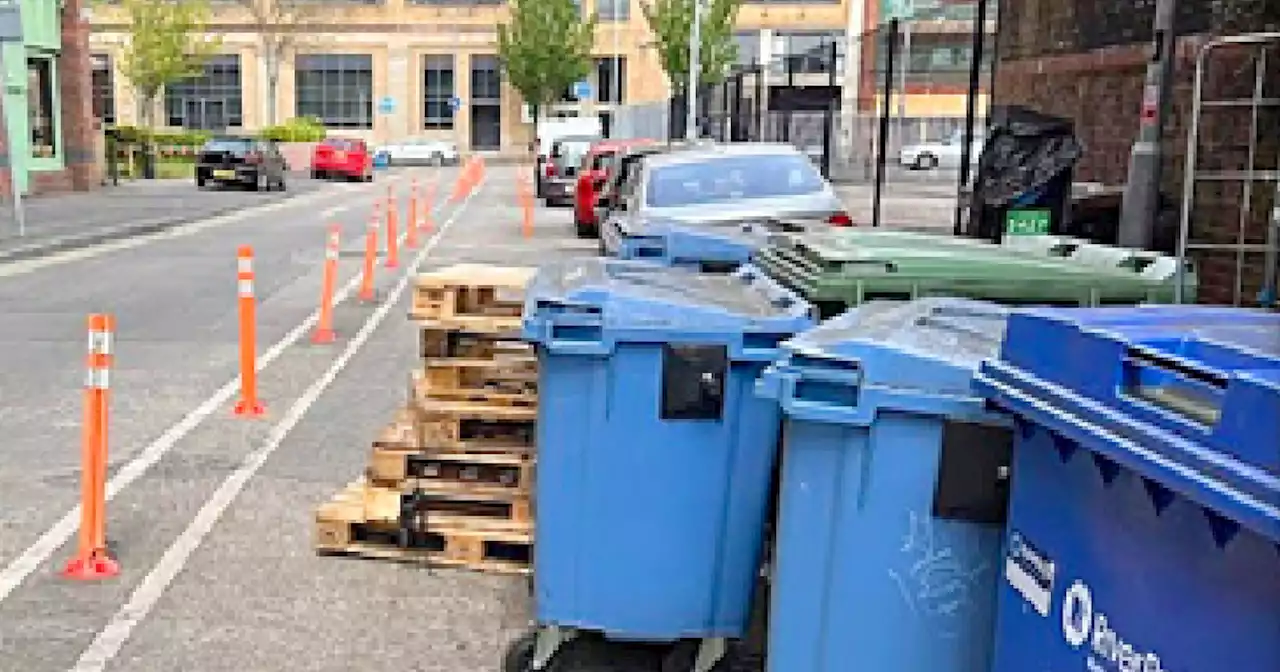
730, 178
336, 143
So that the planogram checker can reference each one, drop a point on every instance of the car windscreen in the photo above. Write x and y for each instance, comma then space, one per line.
228, 145
569, 153
731, 178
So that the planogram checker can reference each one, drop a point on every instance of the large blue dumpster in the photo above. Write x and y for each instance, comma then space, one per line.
893, 488
1144, 527
654, 454
712, 247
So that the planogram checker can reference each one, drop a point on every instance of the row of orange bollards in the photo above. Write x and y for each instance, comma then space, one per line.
93, 559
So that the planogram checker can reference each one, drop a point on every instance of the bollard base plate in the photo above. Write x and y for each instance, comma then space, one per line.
324, 336
97, 565
250, 409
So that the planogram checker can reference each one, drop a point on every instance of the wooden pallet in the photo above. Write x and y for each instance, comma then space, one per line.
471, 297
467, 425
502, 383
363, 520
438, 343
496, 474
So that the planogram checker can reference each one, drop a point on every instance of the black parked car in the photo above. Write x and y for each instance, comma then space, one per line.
247, 162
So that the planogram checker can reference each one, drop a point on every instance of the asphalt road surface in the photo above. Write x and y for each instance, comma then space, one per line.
211, 515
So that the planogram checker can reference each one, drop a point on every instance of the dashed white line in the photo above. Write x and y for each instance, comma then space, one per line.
112, 638
38, 553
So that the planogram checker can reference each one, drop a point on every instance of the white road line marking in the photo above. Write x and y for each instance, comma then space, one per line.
38, 553
112, 638
58, 258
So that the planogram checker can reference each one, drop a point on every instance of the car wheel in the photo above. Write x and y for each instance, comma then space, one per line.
315, 174
199, 183
437, 159
280, 183
926, 162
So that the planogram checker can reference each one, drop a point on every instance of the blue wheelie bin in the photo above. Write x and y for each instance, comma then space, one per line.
1144, 522
655, 457
710, 247
892, 491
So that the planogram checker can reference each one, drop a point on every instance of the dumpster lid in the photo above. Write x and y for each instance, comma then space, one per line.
904, 344
638, 295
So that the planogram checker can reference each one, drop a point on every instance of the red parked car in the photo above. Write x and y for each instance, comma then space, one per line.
342, 157
597, 163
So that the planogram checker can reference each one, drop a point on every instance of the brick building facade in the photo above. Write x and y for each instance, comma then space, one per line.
1086, 60
78, 166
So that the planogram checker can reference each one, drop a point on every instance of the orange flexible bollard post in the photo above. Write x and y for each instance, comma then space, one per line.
411, 224
461, 187
92, 559
393, 237
370, 257
526, 203
249, 404
324, 328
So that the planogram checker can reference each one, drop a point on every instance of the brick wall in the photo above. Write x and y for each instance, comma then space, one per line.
82, 171
1086, 61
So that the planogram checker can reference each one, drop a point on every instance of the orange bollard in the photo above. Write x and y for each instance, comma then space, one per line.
249, 405
93, 559
324, 328
370, 257
460, 188
393, 238
411, 224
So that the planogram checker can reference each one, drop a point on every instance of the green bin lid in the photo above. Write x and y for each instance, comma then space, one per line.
851, 266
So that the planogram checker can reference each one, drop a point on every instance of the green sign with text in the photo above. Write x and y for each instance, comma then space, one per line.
1027, 222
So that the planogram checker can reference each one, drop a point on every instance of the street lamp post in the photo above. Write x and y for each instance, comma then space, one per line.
695, 65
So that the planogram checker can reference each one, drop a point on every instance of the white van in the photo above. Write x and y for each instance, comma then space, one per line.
550, 130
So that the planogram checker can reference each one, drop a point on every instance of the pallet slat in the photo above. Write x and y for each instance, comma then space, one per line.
363, 520
471, 296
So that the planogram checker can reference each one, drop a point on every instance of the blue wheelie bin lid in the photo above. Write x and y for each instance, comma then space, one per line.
711, 246
588, 306
918, 355
1187, 397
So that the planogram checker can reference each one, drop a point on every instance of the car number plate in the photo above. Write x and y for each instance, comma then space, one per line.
224, 174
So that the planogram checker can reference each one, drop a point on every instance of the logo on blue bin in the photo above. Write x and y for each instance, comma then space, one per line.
1083, 624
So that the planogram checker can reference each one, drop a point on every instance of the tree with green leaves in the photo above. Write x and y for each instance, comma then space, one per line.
168, 42
671, 22
544, 48
278, 25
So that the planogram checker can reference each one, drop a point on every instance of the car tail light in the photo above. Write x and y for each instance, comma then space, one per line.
840, 219
550, 170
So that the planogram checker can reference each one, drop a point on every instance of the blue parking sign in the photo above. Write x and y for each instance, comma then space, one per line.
582, 90
455, 103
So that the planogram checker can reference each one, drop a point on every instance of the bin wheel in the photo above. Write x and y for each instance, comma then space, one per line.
519, 655
683, 654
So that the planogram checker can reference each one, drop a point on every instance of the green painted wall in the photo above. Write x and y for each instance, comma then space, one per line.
42, 37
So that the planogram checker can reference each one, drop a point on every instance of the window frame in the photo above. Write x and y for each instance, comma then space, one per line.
322, 86
437, 112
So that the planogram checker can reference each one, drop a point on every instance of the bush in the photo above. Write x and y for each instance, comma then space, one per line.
133, 135
301, 129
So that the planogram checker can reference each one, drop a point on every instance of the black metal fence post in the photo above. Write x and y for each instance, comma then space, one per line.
882, 140
829, 117
970, 112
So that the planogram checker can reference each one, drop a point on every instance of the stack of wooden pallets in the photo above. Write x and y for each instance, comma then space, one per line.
450, 479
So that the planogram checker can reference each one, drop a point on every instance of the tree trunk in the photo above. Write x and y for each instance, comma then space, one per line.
148, 138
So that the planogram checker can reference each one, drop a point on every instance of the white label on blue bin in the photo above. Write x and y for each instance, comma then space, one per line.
1030, 573
1083, 624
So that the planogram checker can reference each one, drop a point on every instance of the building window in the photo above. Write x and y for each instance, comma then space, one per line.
437, 89
335, 88
805, 51
486, 80
40, 99
613, 10
211, 101
104, 91
456, 3
748, 43
611, 79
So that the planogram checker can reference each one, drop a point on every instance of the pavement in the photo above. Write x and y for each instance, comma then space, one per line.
210, 515
68, 221
915, 200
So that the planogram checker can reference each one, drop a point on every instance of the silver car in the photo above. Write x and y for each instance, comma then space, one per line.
726, 183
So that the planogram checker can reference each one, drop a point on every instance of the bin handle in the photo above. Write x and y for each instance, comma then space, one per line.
1139, 360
